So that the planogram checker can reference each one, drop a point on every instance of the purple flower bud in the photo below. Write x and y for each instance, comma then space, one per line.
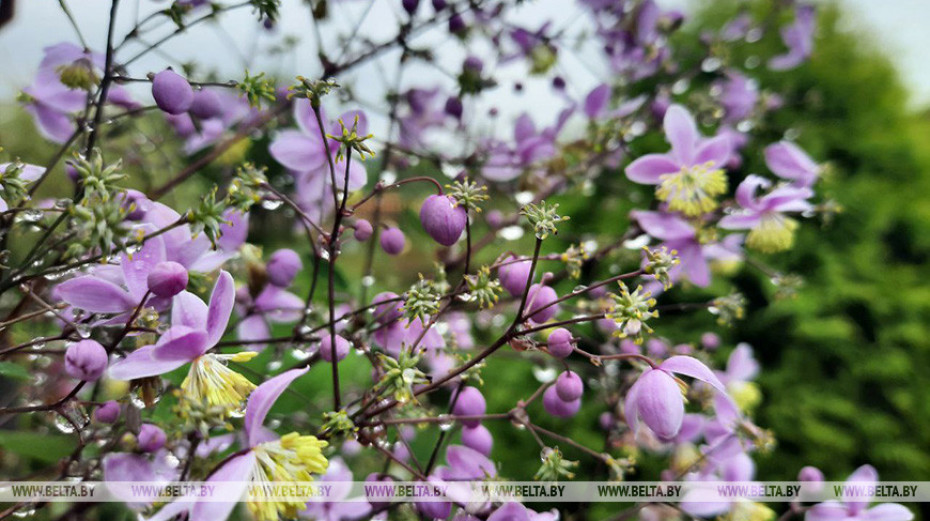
135, 203
439, 5
454, 107
411, 6
435, 509
326, 348
710, 341
538, 300
569, 386
474, 64
72, 172
513, 276
560, 343
393, 241
607, 421
206, 105
151, 437
456, 24
167, 279
811, 474
442, 219
470, 402
390, 311
86, 360
172, 93
363, 230
495, 219
375, 479
478, 438
558, 83
282, 267
108, 412
557, 407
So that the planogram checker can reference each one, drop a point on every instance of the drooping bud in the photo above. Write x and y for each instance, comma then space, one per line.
86, 360
388, 311
363, 230
151, 437
282, 267
513, 276
108, 412
326, 348
569, 386
172, 93
167, 279
558, 407
393, 241
478, 438
538, 300
206, 105
454, 107
710, 341
470, 402
442, 219
411, 6
560, 343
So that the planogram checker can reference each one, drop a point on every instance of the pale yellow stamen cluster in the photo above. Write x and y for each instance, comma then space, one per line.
693, 190
774, 233
210, 381
291, 458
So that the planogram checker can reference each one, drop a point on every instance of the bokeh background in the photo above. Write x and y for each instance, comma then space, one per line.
846, 362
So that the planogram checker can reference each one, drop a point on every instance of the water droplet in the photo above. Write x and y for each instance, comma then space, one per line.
274, 365
524, 197
272, 204
445, 422
62, 424
711, 64
544, 374
83, 330
680, 86
752, 62
368, 281
510, 233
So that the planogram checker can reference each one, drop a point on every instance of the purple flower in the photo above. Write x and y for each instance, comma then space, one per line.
172, 93
341, 507
514, 511
273, 305
678, 235
738, 95
799, 38
282, 267
393, 241
531, 147
556, 406
478, 438
690, 176
656, 397
86, 360
206, 104
151, 438
560, 343
741, 366
398, 334
849, 510
363, 230
120, 469
770, 230
167, 279
390, 307
514, 275
540, 305
27, 172
108, 412
569, 386
195, 329
443, 219
788, 161
290, 458
326, 348
470, 402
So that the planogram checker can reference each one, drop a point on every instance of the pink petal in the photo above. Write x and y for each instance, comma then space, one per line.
222, 301
715, 150
95, 295
681, 132
234, 476
188, 310
180, 343
661, 406
136, 268
827, 511
631, 405
141, 364
692, 367
887, 512
647, 169
261, 400
296, 151
664, 226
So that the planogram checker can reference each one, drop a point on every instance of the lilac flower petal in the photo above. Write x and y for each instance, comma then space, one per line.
694, 264
596, 101
253, 328
306, 119
692, 367
234, 232
95, 295
296, 151
141, 364
738, 468
746, 191
234, 476
661, 406
788, 161
664, 226
865, 475
681, 132
742, 366
136, 267
887, 512
53, 125
261, 400
222, 301
188, 310
631, 405
180, 343
648, 169
827, 511
511, 511
739, 221
465, 463
715, 150
278, 305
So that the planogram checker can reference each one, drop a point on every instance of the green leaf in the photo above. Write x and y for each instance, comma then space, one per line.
42, 448
15, 371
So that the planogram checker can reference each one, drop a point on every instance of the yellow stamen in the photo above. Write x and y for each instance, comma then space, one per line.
774, 233
291, 458
210, 381
692, 190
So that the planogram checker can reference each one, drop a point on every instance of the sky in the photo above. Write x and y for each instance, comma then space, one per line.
898, 27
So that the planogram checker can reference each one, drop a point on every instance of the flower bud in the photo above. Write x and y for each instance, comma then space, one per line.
389, 311
167, 279
326, 348
569, 386
434, 509
557, 407
478, 438
172, 93
560, 343
442, 219
108, 412
456, 24
513, 276
363, 230
470, 402
454, 107
812, 474
151, 438
710, 341
439, 5
282, 267
410, 6
393, 241
538, 301
206, 105
607, 421
86, 360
